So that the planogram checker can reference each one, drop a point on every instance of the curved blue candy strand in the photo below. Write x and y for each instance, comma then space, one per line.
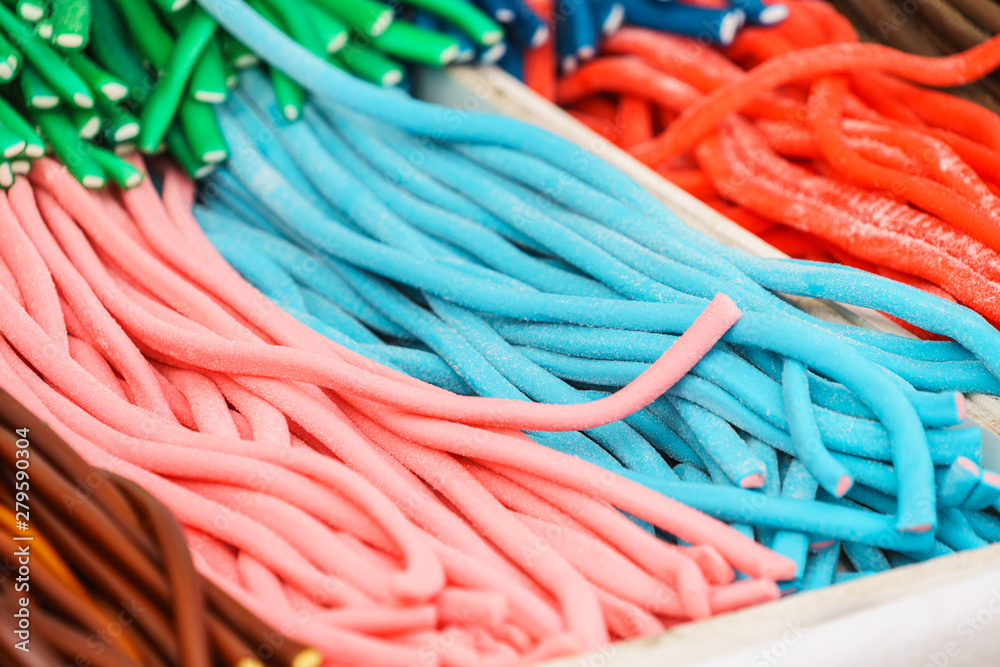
805, 433
720, 447
574, 194
865, 558
986, 526
800, 484
820, 568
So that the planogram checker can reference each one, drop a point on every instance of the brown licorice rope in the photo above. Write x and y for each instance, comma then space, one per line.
931, 28
112, 583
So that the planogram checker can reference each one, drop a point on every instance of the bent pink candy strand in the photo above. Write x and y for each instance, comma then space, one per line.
239, 356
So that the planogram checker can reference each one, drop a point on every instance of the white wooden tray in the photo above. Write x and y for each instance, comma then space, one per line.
942, 613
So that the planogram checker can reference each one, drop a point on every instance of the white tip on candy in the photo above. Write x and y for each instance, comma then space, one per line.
773, 14
615, 20
730, 26
209, 97
32, 13
214, 157
93, 182
70, 40
114, 91
44, 101
126, 132
336, 43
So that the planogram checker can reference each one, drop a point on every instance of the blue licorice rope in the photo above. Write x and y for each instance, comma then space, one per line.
614, 215
805, 434
839, 361
956, 483
986, 526
820, 568
986, 493
797, 483
865, 558
637, 202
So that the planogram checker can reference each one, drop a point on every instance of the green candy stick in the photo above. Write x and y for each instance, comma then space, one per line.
236, 53
203, 132
114, 53
12, 119
208, 80
368, 17
483, 30
181, 150
73, 151
71, 23
333, 32
172, 6
121, 126
290, 96
87, 123
10, 60
50, 66
371, 65
414, 44
297, 23
38, 94
11, 143
150, 35
6, 175
158, 113
118, 170
100, 81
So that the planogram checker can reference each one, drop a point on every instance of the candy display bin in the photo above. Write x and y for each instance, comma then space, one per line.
944, 612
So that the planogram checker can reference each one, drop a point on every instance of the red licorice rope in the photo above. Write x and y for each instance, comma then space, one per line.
707, 113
